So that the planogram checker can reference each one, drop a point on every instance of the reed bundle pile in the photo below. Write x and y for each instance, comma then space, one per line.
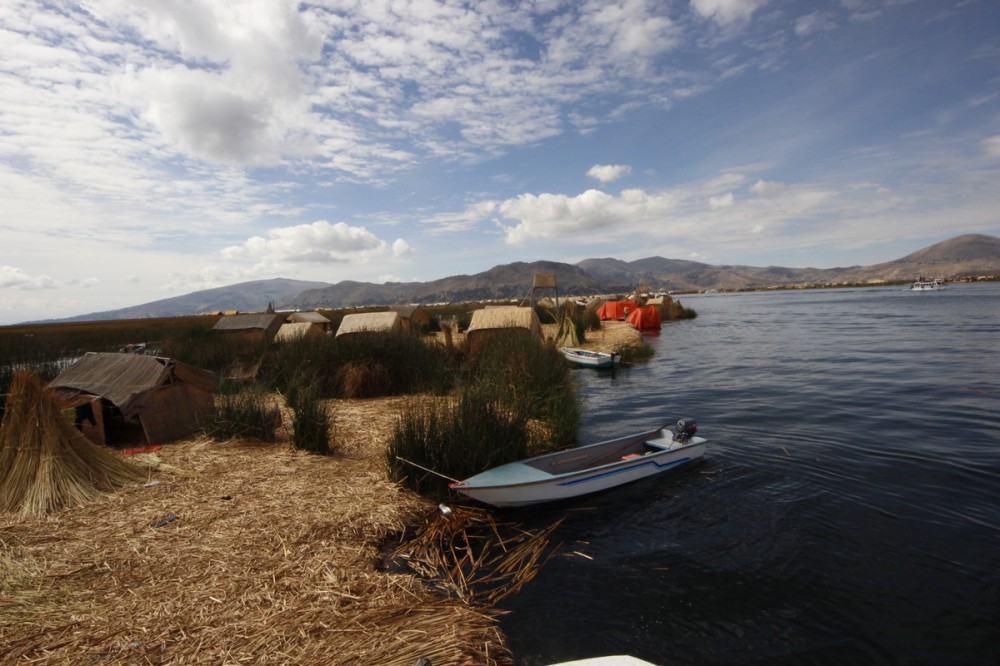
45, 463
471, 556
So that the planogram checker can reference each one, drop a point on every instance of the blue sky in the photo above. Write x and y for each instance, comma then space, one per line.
149, 149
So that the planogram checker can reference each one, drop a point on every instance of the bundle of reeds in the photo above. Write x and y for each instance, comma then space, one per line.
475, 558
45, 463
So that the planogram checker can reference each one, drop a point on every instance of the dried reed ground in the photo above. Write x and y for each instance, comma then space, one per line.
285, 571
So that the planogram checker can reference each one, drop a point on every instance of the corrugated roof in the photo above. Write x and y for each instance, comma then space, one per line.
242, 322
370, 322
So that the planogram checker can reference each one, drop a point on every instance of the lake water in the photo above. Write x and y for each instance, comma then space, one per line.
847, 510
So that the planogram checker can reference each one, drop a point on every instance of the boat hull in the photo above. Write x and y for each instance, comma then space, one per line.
588, 358
525, 483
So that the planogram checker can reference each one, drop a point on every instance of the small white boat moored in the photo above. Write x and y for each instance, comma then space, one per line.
586, 469
591, 359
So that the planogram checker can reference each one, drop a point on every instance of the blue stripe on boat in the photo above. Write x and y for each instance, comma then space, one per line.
612, 472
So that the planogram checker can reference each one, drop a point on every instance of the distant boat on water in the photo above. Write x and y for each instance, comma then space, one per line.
927, 285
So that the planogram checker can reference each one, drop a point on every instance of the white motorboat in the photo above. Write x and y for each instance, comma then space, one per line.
586, 469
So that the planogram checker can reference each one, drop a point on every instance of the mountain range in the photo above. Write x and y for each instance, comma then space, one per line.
971, 255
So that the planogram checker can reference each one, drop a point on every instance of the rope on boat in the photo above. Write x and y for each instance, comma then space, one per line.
410, 462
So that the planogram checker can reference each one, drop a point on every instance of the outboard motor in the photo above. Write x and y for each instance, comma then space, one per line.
685, 430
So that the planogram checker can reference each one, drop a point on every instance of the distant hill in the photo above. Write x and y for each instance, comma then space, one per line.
505, 281
963, 256
246, 297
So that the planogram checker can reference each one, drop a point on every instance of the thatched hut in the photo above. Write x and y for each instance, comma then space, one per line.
131, 397
316, 319
262, 327
370, 322
414, 317
507, 319
296, 330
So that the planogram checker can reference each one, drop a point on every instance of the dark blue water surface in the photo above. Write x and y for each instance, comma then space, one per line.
847, 510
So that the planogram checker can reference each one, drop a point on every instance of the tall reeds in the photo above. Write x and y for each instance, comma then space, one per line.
531, 378
246, 413
455, 439
672, 310
312, 425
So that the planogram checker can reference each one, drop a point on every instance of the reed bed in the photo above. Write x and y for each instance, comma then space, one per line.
261, 554
45, 463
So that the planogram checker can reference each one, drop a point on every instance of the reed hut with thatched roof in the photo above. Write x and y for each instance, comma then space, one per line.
370, 322
314, 318
507, 319
253, 327
414, 317
296, 330
122, 398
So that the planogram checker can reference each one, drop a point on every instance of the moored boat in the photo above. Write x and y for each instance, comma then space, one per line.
591, 359
586, 469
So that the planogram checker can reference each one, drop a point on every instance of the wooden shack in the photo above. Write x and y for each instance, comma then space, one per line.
122, 398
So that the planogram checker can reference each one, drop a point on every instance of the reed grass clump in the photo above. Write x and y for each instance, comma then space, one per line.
246, 414
455, 439
312, 426
672, 310
635, 353
532, 378
364, 365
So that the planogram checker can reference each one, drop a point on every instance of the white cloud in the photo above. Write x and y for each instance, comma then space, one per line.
813, 23
677, 214
607, 173
991, 145
726, 11
722, 201
767, 190
400, 248
319, 242
586, 215
11, 276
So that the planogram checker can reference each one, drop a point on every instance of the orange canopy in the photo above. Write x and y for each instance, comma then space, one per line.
615, 309
646, 318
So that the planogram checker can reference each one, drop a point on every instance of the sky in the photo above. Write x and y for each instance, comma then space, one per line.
150, 149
